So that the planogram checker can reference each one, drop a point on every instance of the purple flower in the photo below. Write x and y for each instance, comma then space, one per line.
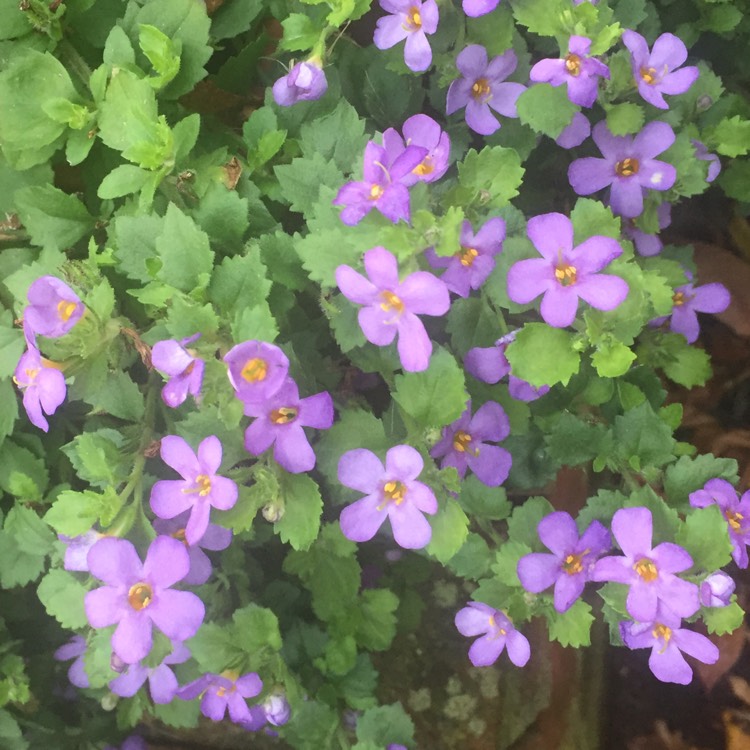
469, 268
667, 642
717, 589
43, 387
382, 187
714, 164
628, 166
279, 422
306, 81
736, 511
54, 308
74, 649
256, 370
392, 306
688, 301
422, 131
411, 20
497, 632
464, 445
77, 550
475, 8
277, 709
162, 682
224, 691
138, 595
520, 390
655, 72
648, 571
215, 538
185, 370
198, 490
482, 87
134, 742
579, 71
565, 273
391, 491
647, 245
575, 133
571, 562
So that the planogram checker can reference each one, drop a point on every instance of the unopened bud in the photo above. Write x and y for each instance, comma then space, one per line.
717, 590
273, 512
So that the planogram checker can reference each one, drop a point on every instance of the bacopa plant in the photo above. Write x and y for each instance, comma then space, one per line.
296, 319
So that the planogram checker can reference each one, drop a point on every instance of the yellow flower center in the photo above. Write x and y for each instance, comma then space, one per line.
662, 633
627, 167
140, 596
65, 309
572, 564
375, 192
734, 519
391, 302
462, 443
413, 19
424, 167
255, 370
467, 256
566, 274
393, 492
481, 89
229, 674
678, 299
284, 415
179, 535
573, 64
202, 486
646, 569
30, 373
649, 75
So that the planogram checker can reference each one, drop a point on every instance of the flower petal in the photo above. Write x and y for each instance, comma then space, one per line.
114, 561
178, 614
550, 234
166, 562
131, 640
361, 520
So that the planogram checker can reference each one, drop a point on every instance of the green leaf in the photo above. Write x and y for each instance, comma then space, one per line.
301, 32
118, 51
301, 180
239, 282
542, 355
612, 359
690, 474
134, 238
625, 118
450, 527
53, 218
723, 620
472, 561
303, 506
15, 24
97, 457
491, 176
522, 526
642, 439
338, 137
8, 409
29, 531
704, 535
255, 323
687, 365
546, 109
122, 180
17, 568
187, 258
74, 513
735, 180
377, 627
62, 596
223, 215
10, 733
384, 725
234, 18
572, 627
312, 725
21, 473
590, 218
120, 397
162, 52
493, 31
481, 501
573, 441
505, 565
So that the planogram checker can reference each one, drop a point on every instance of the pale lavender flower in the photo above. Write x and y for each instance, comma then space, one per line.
736, 511
391, 492
482, 86
576, 133
667, 640
655, 71
714, 163
184, 369
650, 572
256, 370
222, 692
628, 165
470, 267
43, 387
74, 649
466, 444
565, 272
53, 309
716, 589
279, 422
475, 8
277, 709
572, 560
392, 306
139, 595
77, 549
688, 301
411, 20
306, 81
162, 682
382, 187
497, 633
423, 131
648, 245
579, 71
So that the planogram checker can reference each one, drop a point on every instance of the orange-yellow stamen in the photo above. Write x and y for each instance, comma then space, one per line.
481, 90
649, 75
734, 519
255, 370
284, 415
573, 64
140, 596
678, 299
467, 256
393, 492
391, 302
646, 569
662, 633
180, 536
65, 309
424, 167
202, 486
413, 19
627, 167
566, 274
572, 564
375, 192
462, 443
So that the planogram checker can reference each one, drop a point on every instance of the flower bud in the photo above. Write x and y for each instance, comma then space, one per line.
717, 590
277, 709
273, 512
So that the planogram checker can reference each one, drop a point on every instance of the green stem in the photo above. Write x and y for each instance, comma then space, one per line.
71, 58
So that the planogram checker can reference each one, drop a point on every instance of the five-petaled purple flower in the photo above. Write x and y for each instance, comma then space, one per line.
464, 445
392, 307
74, 649
667, 640
736, 511
565, 273
185, 370
571, 562
162, 682
256, 370
391, 492
469, 268
716, 589
279, 422
576, 69
222, 692
306, 81
482, 86
43, 387
655, 72
198, 490
650, 572
139, 595
53, 309
423, 131
411, 20
497, 632
382, 187
628, 165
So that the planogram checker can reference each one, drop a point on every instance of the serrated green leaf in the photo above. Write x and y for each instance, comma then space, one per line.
74, 513
384, 725
704, 535
690, 474
62, 596
625, 118
187, 258
491, 176
542, 355
449, 530
546, 109
572, 627
522, 525
723, 620
303, 506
